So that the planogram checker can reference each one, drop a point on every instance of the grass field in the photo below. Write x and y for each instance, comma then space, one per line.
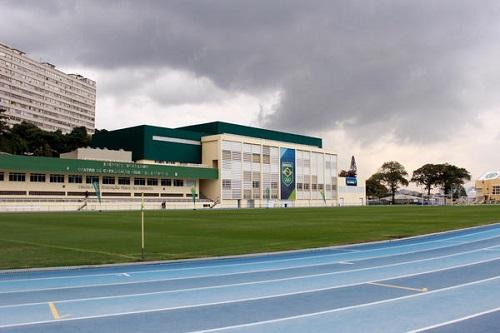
60, 239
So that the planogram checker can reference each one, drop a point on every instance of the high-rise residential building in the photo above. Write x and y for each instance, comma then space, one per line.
39, 93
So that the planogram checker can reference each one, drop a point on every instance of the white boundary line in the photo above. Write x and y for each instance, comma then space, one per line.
266, 281
259, 298
455, 320
494, 225
273, 296
255, 271
258, 262
345, 308
275, 280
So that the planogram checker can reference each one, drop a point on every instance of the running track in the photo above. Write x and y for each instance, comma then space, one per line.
448, 282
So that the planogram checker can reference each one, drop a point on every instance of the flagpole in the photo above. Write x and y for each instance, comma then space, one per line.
142, 226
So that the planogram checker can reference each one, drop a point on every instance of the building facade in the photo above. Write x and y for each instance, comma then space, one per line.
121, 185
44, 96
488, 187
222, 165
256, 167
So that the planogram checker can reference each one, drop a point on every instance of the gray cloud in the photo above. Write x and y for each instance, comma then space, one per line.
416, 69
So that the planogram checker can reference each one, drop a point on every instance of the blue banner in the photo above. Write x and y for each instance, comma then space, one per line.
287, 163
351, 181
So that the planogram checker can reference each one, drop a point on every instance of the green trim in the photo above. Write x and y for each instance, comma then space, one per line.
67, 166
220, 127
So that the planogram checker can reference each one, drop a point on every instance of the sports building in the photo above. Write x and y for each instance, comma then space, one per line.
218, 164
488, 187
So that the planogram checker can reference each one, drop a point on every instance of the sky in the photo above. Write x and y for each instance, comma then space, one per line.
411, 81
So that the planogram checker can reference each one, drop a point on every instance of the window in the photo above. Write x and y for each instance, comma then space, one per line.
299, 186
17, 177
256, 184
123, 180
247, 157
247, 194
92, 179
139, 181
57, 178
37, 178
1, 176
256, 158
266, 159
306, 186
226, 155
75, 179
152, 182
314, 186
108, 180
190, 183
178, 182
226, 184
166, 182
274, 185
496, 190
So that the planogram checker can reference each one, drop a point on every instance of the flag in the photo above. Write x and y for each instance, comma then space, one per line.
97, 190
193, 194
323, 196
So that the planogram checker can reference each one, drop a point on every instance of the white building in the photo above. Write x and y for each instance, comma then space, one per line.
44, 96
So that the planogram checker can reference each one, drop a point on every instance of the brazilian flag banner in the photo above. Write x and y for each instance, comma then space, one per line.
287, 162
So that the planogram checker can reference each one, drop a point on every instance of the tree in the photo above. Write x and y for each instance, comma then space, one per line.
374, 188
3, 123
353, 170
452, 177
27, 139
392, 175
77, 138
343, 173
428, 175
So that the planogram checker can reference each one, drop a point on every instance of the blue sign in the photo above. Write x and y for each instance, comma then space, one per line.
351, 181
287, 162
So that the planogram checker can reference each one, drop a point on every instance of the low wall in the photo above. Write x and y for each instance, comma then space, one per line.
61, 205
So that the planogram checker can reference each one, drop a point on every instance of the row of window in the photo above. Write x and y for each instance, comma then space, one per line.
106, 180
226, 185
496, 190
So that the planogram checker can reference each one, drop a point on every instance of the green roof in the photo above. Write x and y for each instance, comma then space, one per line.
219, 127
61, 165
140, 140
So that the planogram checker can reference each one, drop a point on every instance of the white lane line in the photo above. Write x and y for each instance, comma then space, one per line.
455, 320
250, 272
261, 282
307, 315
390, 246
124, 274
345, 263
257, 298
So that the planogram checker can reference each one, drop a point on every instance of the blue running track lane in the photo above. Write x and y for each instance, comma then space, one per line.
446, 282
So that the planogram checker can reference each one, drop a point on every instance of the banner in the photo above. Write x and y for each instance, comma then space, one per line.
97, 190
351, 181
287, 163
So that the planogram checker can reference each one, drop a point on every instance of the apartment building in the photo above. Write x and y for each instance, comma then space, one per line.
39, 93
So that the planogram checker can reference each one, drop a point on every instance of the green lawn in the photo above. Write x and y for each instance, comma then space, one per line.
59, 239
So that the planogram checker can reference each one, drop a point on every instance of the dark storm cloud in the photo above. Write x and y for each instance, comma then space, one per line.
410, 68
